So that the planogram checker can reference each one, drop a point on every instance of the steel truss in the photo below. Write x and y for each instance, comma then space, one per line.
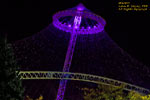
28, 75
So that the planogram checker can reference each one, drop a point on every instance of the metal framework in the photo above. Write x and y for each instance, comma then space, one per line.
85, 14
67, 64
69, 55
74, 28
27, 75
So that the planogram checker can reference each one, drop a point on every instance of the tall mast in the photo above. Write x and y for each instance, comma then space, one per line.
75, 27
69, 55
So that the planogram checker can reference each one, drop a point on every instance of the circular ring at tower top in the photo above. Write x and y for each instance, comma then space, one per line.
90, 23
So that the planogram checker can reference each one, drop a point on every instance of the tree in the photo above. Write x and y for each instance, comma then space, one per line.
39, 98
104, 92
10, 85
137, 96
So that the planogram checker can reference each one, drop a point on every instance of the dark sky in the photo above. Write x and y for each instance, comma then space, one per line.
130, 30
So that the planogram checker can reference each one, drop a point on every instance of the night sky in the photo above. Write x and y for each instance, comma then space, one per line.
130, 30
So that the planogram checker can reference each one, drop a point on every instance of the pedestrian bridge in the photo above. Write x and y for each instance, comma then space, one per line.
31, 75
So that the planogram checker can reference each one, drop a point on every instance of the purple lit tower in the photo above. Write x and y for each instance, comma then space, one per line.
77, 20
75, 42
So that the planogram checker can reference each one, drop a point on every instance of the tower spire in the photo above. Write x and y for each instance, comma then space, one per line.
76, 21
80, 7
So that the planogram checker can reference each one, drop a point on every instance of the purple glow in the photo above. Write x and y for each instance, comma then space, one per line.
67, 64
80, 7
89, 27
69, 25
75, 29
77, 22
69, 55
100, 22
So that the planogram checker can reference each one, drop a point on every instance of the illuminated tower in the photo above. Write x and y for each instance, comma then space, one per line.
76, 21
76, 42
